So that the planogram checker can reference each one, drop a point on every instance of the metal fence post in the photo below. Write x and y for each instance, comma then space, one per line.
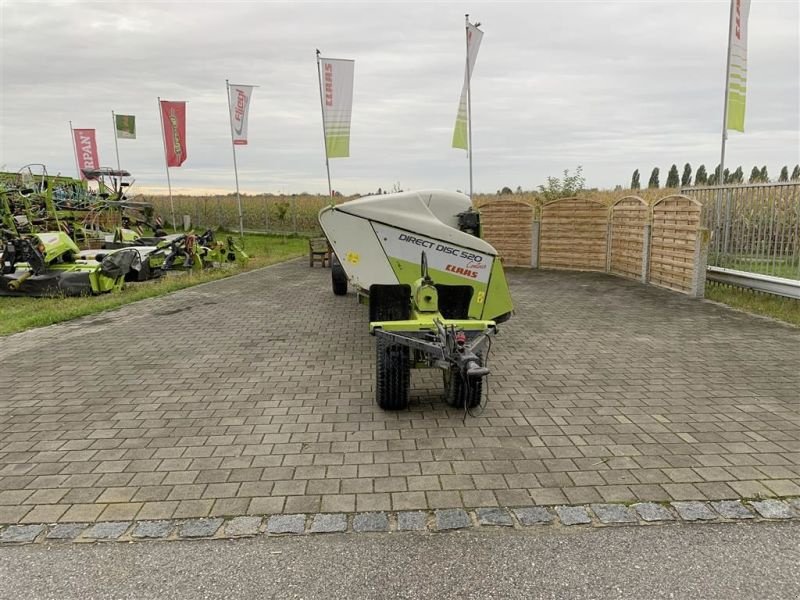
294, 215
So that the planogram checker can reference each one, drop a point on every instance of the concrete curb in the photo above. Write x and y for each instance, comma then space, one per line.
429, 521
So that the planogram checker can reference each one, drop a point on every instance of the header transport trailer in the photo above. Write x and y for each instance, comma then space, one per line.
436, 291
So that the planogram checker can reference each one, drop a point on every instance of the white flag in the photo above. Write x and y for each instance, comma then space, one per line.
474, 37
337, 104
737, 56
240, 105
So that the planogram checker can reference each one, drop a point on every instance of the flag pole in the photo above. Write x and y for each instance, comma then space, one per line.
166, 163
116, 142
75, 150
469, 107
721, 177
324, 134
235, 168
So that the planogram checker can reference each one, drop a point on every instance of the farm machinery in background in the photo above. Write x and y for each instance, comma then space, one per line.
46, 220
435, 290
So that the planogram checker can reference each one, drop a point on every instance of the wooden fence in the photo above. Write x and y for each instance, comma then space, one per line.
663, 243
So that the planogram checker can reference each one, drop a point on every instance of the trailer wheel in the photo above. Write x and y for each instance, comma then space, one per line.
464, 393
392, 376
338, 277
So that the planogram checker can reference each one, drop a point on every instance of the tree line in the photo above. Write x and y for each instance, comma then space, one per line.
702, 177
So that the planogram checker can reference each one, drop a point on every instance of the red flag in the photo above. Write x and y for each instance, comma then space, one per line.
173, 117
85, 150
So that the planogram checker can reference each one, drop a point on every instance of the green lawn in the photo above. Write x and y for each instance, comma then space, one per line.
777, 307
18, 314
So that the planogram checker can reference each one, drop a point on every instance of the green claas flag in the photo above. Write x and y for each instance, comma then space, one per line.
460, 135
126, 126
737, 60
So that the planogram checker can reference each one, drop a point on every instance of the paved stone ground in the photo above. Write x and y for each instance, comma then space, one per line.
253, 396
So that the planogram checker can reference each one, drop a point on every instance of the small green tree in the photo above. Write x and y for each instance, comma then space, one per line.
726, 176
506, 191
564, 188
795, 173
653, 183
738, 175
635, 185
701, 177
686, 178
755, 175
764, 174
673, 178
784, 176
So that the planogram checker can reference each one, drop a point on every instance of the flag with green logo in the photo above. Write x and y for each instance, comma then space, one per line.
126, 126
737, 61
474, 36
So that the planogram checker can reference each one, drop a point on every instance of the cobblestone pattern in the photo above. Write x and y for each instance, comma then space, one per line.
254, 396
433, 521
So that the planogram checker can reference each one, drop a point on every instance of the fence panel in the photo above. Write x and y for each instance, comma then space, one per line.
573, 235
673, 244
508, 226
755, 227
628, 222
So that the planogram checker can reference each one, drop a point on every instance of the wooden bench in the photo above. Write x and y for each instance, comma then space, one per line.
319, 251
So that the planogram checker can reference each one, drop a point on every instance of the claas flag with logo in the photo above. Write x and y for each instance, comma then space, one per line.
126, 127
337, 104
173, 117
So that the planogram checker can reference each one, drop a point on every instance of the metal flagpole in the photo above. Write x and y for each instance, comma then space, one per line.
75, 150
116, 142
469, 108
235, 168
324, 134
721, 176
166, 164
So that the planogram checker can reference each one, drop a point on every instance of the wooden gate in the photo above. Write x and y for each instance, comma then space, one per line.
573, 235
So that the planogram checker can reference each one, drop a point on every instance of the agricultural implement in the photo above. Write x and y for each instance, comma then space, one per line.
435, 290
49, 264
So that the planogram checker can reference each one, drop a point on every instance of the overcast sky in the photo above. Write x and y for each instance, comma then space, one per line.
609, 85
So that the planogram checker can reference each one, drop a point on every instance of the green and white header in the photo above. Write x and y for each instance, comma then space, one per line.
460, 136
737, 61
336, 81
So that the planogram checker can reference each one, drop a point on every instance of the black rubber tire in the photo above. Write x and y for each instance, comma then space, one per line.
338, 278
461, 392
392, 375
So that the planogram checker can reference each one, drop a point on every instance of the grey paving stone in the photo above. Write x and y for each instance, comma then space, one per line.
371, 522
650, 511
732, 509
21, 534
66, 531
610, 514
573, 515
497, 517
451, 518
412, 521
329, 523
107, 531
694, 511
773, 509
287, 524
795, 503
241, 526
535, 515
199, 528
152, 529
